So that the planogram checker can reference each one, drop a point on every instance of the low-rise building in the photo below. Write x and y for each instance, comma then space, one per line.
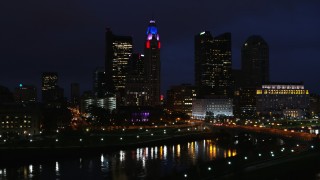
215, 107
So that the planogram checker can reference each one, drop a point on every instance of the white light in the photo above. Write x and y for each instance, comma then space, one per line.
292, 150
312, 147
121, 138
57, 140
185, 175
30, 140
297, 145
229, 162
137, 136
260, 154
80, 140
209, 168
152, 134
245, 158
101, 139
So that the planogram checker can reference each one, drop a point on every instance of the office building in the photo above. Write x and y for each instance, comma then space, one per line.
20, 119
136, 89
283, 99
118, 51
75, 94
51, 92
213, 73
152, 66
179, 98
25, 94
201, 108
255, 61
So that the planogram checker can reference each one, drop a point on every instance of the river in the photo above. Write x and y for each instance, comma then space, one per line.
139, 163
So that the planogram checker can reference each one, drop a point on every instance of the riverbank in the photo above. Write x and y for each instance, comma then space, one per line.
89, 145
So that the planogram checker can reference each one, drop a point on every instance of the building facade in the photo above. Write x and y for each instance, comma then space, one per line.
213, 73
215, 107
25, 94
117, 54
75, 94
152, 66
180, 98
255, 61
51, 92
283, 99
108, 102
20, 119
136, 89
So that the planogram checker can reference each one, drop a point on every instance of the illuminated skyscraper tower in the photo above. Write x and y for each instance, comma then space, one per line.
255, 61
152, 64
213, 64
118, 52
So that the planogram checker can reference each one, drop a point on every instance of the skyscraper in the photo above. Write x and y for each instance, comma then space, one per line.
118, 51
75, 94
222, 71
213, 64
203, 54
99, 83
51, 92
49, 80
255, 61
136, 94
152, 64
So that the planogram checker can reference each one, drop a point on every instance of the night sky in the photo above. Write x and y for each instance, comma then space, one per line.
67, 36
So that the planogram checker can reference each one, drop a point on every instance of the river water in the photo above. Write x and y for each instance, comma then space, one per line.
151, 162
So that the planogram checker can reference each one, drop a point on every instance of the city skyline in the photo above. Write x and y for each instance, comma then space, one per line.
71, 43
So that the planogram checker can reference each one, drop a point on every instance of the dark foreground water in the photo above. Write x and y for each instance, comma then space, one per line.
151, 162
163, 161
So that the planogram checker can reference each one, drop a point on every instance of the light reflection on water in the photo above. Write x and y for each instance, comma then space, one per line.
147, 162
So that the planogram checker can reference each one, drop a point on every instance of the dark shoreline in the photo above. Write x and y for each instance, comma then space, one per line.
17, 155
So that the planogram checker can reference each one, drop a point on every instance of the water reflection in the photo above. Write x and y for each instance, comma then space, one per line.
57, 169
148, 162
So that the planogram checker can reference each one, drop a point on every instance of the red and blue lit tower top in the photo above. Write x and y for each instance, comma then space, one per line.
152, 34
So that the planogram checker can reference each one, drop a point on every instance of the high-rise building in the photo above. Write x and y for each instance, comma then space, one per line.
118, 51
136, 90
213, 73
255, 61
49, 80
25, 94
51, 92
203, 54
75, 93
222, 67
152, 64
99, 82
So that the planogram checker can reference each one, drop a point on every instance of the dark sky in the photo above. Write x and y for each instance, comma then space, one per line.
67, 36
